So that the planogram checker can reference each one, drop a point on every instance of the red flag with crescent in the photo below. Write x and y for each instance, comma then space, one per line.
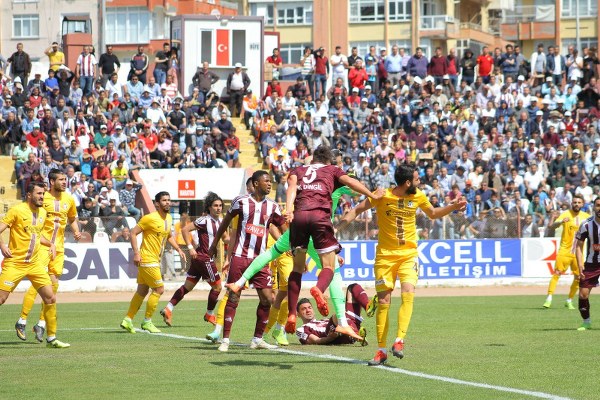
223, 47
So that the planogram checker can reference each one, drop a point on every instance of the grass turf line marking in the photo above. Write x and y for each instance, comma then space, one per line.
539, 395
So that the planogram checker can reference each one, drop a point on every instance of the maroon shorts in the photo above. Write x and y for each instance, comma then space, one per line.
203, 268
315, 224
588, 278
237, 267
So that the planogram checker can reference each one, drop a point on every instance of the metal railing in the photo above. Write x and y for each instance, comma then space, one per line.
528, 14
434, 22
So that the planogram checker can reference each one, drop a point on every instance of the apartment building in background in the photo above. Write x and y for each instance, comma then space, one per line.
460, 24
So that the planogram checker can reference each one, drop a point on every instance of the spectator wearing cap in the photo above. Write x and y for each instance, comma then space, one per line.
357, 77
127, 198
417, 65
237, 84
155, 113
316, 139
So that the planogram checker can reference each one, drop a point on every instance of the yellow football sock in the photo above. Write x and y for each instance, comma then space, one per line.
574, 287
221, 309
55, 289
273, 314
405, 313
283, 312
50, 316
28, 302
381, 321
134, 305
151, 304
553, 283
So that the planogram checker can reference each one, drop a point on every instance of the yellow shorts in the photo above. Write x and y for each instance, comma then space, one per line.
54, 267
150, 276
13, 273
564, 262
392, 264
281, 268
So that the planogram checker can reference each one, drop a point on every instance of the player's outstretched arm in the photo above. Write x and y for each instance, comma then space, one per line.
455, 205
222, 228
358, 187
353, 213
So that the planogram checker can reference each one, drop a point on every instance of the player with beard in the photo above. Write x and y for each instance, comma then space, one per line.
589, 267
396, 255
570, 221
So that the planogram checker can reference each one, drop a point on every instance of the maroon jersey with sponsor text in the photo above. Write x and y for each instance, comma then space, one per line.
254, 219
207, 228
316, 183
322, 328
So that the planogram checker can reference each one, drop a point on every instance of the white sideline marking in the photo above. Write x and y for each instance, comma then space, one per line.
539, 395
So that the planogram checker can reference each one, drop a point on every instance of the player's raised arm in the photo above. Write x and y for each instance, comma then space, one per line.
458, 204
353, 213
358, 187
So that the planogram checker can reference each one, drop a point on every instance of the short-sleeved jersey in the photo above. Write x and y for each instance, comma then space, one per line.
316, 183
58, 210
590, 231
26, 225
322, 328
156, 231
254, 219
207, 228
396, 217
567, 239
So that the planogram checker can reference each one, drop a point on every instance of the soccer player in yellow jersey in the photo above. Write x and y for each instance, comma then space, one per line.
21, 256
156, 230
565, 259
396, 255
61, 210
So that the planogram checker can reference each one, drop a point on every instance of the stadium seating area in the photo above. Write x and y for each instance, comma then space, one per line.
517, 142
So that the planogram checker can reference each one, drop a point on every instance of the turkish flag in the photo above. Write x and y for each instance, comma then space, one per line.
223, 47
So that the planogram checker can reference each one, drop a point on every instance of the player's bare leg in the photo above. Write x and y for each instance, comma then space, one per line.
294, 286
382, 324
134, 306
323, 282
49, 298
262, 316
584, 309
167, 312
404, 316
213, 298
230, 311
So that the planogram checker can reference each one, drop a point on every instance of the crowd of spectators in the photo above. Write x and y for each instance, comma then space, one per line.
517, 136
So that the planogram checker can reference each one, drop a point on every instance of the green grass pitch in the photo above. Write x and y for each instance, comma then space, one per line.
509, 342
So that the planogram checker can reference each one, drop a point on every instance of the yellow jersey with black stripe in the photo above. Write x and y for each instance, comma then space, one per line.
156, 231
59, 210
26, 224
567, 238
397, 219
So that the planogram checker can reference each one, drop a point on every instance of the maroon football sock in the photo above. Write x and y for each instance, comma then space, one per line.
178, 295
584, 308
325, 277
230, 309
294, 286
359, 295
262, 317
213, 297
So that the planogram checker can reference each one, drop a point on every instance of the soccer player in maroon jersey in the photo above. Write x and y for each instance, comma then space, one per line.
255, 214
202, 266
323, 331
589, 267
308, 209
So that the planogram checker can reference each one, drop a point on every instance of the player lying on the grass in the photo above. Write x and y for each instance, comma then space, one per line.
570, 221
281, 246
308, 210
397, 255
60, 209
22, 256
589, 266
202, 266
323, 331
156, 230
255, 214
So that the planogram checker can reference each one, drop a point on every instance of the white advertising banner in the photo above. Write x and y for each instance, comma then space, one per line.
194, 184
539, 257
